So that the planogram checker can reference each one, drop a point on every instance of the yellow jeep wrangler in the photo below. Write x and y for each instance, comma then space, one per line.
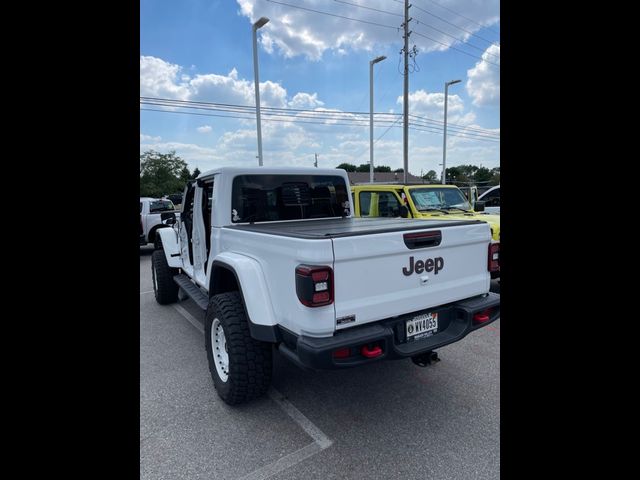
424, 201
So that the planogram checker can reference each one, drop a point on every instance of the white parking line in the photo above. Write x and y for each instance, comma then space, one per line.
314, 432
320, 440
148, 291
190, 318
285, 462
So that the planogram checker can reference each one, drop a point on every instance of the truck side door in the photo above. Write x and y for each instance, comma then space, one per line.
203, 201
379, 203
186, 229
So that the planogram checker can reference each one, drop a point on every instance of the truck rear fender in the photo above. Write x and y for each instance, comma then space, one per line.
232, 271
170, 246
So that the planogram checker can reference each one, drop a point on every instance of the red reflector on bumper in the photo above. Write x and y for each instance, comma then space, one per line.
371, 352
482, 317
341, 353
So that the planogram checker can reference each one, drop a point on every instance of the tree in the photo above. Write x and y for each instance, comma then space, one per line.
483, 174
467, 171
161, 173
431, 176
381, 168
196, 172
495, 176
454, 174
348, 167
363, 168
185, 175
399, 170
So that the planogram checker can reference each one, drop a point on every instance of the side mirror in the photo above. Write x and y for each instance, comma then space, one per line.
404, 211
168, 218
479, 206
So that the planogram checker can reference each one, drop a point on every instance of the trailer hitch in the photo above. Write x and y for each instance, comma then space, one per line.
425, 359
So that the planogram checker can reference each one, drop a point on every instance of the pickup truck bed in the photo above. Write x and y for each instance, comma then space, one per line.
345, 227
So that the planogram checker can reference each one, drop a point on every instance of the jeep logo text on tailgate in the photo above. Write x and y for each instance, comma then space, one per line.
430, 264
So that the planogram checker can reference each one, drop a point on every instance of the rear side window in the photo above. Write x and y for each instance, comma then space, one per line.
492, 199
265, 198
379, 204
161, 206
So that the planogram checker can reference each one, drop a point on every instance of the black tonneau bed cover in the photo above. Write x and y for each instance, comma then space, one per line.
345, 227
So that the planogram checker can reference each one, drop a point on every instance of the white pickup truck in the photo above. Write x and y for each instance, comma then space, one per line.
275, 259
153, 213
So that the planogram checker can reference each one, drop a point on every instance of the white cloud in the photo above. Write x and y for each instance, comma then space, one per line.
204, 129
432, 105
305, 100
289, 143
294, 31
147, 138
163, 79
483, 83
160, 79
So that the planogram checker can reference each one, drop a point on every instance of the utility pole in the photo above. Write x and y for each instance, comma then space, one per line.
405, 133
316, 162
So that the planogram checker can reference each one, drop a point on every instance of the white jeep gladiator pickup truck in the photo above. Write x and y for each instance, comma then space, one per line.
275, 259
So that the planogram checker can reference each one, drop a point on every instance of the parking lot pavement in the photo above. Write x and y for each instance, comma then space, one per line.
385, 420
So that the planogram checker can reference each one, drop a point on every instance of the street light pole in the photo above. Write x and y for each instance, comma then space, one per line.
444, 140
258, 24
371, 63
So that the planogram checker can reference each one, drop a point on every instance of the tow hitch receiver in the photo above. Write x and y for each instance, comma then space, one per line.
425, 359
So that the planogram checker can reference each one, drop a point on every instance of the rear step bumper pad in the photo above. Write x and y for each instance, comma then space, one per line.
455, 322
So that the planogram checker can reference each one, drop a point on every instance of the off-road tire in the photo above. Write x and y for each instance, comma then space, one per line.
164, 288
250, 361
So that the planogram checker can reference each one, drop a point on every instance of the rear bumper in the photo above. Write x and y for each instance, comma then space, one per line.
455, 321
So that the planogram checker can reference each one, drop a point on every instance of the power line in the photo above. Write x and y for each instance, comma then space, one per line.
466, 18
419, 22
454, 125
424, 128
456, 49
333, 14
369, 8
452, 24
191, 102
381, 25
356, 117
267, 111
456, 38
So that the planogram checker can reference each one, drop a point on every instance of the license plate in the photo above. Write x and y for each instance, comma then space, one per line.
421, 326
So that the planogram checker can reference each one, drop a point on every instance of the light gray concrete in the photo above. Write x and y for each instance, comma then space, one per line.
386, 420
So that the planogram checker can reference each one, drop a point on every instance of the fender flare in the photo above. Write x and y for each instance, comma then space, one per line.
253, 290
170, 246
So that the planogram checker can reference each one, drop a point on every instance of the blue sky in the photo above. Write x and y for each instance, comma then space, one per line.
201, 50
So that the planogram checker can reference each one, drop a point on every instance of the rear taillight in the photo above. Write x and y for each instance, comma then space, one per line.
494, 257
314, 285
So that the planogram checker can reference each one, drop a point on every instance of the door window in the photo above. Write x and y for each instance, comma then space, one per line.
379, 204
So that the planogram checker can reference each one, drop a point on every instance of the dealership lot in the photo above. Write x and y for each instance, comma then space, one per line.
385, 420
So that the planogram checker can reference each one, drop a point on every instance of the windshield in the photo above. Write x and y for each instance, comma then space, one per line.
161, 206
430, 198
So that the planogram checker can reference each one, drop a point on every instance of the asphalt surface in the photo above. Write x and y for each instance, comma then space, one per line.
386, 420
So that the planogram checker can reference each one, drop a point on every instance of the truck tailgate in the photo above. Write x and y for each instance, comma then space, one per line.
383, 275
